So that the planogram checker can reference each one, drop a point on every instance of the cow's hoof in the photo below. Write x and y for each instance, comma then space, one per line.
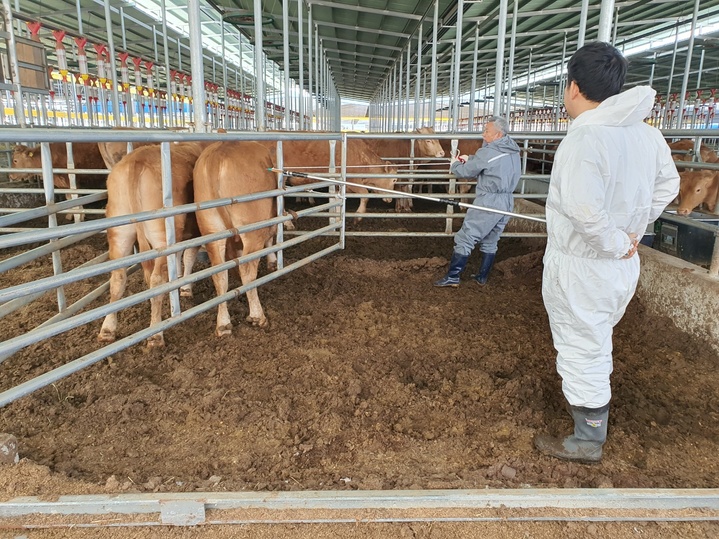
223, 331
262, 323
186, 292
271, 267
156, 341
106, 336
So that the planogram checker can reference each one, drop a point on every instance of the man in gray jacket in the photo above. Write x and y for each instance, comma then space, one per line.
497, 168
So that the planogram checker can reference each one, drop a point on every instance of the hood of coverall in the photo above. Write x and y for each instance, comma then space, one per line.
504, 145
626, 108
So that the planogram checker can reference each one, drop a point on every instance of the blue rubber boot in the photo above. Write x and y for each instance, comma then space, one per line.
456, 267
585, 445
483, 273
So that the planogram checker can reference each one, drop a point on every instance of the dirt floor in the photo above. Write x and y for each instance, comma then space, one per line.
368, 378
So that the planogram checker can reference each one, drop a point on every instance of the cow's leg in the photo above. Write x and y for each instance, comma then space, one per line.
121, 240
216, 252
253, 241
189, 257
362, 208
158, 276
272, 257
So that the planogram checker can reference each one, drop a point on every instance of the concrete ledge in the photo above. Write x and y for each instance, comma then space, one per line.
682, 291
668, 286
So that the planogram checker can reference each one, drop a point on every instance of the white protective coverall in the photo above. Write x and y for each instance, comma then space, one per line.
497, 168
612, 175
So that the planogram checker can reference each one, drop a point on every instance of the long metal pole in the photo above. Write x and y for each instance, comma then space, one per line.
15, 70
455, 67
110, 66
286, 58
317, 79
605, 20
196, 63
417, 121
510, 71
407, 85
671, 76
166, 53
687, 65
433, 77
499, 64
310, 52
260, 123
301, 100
582, 23
411, 195
226, 119
473, 88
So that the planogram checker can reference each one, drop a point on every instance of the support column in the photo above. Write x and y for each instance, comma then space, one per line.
687, 66
605, 20
499, 65
196, 62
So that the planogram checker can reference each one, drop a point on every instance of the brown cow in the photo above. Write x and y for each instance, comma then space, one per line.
135, 185
230, 169
307, 155
685, 147
86, 155
400, 150
112, 152
698, 188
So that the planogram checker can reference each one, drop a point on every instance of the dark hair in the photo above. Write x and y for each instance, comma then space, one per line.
598, 69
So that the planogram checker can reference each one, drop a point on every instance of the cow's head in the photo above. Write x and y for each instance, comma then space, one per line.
23, 157
428, 147
387, 183
695, 188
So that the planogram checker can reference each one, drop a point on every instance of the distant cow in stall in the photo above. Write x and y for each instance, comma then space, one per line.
133, 186
113, 152
230, 169
307, 155
698, 188
85, 155
683, 150
400, 150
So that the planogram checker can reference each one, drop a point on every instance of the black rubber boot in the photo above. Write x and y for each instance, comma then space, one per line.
456, 267
585, 445
483, 273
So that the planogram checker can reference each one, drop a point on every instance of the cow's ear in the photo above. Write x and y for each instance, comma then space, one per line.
30, 153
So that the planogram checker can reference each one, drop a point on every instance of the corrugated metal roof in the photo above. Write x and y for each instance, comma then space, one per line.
364, 39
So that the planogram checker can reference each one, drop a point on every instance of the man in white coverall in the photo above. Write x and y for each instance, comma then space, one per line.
612, 175
497, 168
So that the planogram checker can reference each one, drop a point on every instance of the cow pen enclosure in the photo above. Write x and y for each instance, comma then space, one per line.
371, 397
